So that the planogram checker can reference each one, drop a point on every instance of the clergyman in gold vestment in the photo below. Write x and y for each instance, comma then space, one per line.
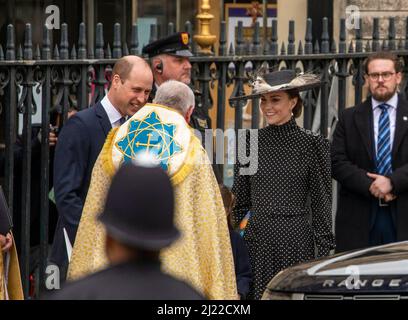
202, 256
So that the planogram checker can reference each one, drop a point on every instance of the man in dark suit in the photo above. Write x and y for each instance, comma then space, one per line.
370, 161
138, 218
81, 140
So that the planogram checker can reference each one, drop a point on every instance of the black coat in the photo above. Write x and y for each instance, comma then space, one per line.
353, 155
200, 119
79, 143
128, 281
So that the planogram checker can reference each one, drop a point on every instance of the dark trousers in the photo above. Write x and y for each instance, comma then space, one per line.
383, 229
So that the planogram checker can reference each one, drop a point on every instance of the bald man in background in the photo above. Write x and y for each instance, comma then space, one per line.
81, 140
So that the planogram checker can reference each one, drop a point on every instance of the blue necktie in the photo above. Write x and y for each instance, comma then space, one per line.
122, 120
384, 142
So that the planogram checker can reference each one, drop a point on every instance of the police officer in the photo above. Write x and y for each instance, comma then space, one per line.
169, 59
139, 223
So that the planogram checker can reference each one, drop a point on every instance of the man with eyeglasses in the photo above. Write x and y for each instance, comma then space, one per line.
370, 161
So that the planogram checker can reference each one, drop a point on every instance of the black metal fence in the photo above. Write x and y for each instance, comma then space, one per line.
65, 75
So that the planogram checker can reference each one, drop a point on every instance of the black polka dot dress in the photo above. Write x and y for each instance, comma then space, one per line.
289, 198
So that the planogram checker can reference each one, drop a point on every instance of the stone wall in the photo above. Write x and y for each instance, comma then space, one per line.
370, 9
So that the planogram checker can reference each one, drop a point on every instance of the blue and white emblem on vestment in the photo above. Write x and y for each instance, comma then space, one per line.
150, 135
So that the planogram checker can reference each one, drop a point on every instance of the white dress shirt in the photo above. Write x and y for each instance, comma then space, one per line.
113, 114
392, 113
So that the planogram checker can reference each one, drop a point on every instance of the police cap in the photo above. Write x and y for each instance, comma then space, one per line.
175, 44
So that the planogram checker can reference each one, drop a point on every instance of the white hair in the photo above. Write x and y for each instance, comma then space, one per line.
176, 95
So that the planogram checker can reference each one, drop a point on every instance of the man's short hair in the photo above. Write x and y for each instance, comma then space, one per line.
384, 55
176, 95
124, 66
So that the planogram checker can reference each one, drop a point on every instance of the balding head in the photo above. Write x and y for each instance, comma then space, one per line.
124, 66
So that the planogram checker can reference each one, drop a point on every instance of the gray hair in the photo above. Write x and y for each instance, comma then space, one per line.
176, 95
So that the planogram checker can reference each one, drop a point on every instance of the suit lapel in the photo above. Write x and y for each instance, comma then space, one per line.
363, 119
401, 125
103, 118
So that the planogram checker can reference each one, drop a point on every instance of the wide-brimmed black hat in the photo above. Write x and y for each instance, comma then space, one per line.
280, 80
175, 44
139, 208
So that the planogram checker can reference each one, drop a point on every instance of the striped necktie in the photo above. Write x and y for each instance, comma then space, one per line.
384, 142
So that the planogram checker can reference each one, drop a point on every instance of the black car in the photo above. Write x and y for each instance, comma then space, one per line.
374, 273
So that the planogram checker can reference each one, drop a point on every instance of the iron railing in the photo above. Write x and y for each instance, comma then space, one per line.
63, 75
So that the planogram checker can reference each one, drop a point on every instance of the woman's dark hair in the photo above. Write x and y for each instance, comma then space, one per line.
297, 110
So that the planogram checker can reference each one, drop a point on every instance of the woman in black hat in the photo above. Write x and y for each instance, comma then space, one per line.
289, 197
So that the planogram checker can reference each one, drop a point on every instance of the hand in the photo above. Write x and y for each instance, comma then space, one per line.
6, 242
52, 137
2, 241
389, 197
380, 186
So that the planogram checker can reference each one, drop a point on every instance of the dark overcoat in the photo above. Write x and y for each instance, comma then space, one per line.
135, 280
353, 155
